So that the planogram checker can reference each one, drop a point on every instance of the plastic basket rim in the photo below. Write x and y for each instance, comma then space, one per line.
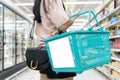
77, 32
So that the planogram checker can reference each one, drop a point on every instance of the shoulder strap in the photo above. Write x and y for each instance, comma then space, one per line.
32, 31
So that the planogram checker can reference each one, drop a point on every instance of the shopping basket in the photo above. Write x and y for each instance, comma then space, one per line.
79, 50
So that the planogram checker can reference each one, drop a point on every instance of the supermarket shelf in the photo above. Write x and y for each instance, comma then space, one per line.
109, 1
100, 69
111, 25
114, 37
106, 25
114, 58
110, 14
100, 10
113, 68
115, 50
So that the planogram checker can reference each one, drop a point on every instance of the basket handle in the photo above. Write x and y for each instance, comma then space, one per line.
90, 12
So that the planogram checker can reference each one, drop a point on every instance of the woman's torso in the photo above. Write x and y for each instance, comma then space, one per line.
47, 28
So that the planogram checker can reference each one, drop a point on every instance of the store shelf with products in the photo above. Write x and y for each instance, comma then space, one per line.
116, 58
113, 68
115, 44
111, 25
100, 8
109, 17
106, 73
115, 37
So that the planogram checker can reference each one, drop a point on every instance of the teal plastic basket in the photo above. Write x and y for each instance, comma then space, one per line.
79, 50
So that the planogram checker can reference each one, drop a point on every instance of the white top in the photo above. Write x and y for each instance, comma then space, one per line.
53, 16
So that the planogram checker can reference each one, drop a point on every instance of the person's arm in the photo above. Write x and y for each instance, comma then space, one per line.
58, 15
67, 25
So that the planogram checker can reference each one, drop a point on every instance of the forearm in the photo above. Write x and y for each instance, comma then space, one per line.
67, 24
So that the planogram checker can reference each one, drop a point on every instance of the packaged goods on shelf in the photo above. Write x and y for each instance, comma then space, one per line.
118, 25
115, 64
106, 22
118, 30
111, 44
106, 10
101, 15
115, 54
117, 43
113, 19
118, 16
115, 3
107, 70
99, 7
116, 75
118, 47
112, 31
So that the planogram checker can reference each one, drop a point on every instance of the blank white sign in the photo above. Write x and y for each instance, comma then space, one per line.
61, 53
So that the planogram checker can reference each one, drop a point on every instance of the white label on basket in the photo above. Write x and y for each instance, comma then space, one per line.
61, 53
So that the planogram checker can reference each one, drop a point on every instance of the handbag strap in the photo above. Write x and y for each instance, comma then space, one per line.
32, 31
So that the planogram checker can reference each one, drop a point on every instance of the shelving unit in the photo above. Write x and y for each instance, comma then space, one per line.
112, 13
116, 59
113, 68
109, 17
100, 69
112, 25
114, 37
100, 8
115, 50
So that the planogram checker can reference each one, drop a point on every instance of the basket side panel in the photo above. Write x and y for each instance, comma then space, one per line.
94, 50
61, 53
